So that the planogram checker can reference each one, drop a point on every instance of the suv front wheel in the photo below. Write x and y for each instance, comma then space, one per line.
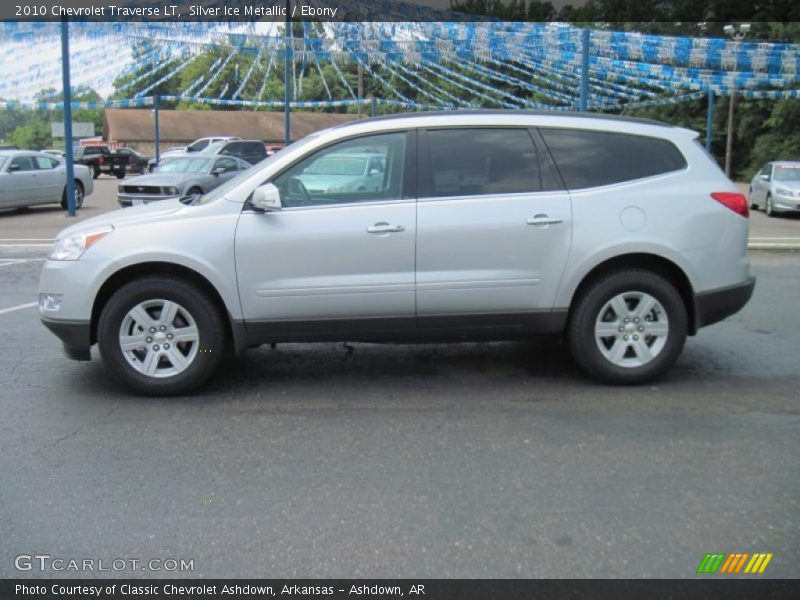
161, 335
628, 327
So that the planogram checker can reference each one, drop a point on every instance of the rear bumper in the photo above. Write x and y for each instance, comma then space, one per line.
75, 335
715, 305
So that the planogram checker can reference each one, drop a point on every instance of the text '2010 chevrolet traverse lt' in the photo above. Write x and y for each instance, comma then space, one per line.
622, 235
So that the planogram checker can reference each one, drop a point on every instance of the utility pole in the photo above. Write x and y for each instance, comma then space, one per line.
737, 33
287, 76
157, 130
584, 91
360, 89
729, 140
70, 187
709, 118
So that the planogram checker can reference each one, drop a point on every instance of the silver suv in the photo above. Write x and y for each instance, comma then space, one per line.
621, 235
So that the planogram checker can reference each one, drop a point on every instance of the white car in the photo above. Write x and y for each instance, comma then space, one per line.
344, 172
199, 145
776, 188
31, 178
621, 235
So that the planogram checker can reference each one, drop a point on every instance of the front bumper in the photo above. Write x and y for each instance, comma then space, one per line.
126, 200
75, 335
715, 305
75, 283
783, 203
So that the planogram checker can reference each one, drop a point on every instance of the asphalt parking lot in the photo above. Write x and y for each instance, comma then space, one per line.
478, 460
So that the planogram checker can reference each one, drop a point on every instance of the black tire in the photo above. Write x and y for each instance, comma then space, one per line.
95, 171
206, 315
753, 205
120, 174
79, 196
768, 210
586, 310
194, 191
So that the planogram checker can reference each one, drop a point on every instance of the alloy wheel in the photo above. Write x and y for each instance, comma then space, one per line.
631, 329
159, 338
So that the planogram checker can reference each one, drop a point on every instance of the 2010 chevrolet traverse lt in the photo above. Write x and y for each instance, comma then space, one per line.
621, 234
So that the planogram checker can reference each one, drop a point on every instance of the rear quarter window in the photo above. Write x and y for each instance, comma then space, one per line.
594, 158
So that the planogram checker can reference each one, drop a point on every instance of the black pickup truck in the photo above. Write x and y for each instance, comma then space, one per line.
101, 160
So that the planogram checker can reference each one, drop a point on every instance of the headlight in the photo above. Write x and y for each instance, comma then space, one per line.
783, 191
73, 246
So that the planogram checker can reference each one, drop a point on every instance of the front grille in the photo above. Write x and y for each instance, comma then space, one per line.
143, 190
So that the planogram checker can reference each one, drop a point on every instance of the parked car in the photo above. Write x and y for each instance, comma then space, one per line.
199, 145
137, 162
776, 188
60, 154
621, 235
340, 172
185, 175
252, 151
100, 159
31, 178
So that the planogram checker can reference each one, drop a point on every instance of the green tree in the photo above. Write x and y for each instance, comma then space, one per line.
33, 136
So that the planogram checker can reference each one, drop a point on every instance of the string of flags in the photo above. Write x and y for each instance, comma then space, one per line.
448, 64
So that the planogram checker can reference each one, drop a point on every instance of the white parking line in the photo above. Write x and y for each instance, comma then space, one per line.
18, 240
20, 307
31, 245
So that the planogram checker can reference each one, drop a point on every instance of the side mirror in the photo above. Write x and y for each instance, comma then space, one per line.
765, 177
219, 171
12, 168
266, 198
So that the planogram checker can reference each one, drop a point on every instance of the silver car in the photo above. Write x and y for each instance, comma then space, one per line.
31, 178
620, 235
776, 188
181, 175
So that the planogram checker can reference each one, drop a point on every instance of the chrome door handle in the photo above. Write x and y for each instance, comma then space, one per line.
544, 220
385, 228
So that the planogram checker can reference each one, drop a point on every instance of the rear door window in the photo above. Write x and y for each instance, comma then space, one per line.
45, 162
481, 161
594, 158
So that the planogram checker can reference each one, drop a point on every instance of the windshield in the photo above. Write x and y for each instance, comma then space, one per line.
184, 165
338, 165
234, 182
213, 148
2, 162
197, 146
787, 172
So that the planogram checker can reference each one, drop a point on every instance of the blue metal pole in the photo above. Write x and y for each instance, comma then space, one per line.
70, 187
709, 118
373, 107
287, 72
157, 129
584, 70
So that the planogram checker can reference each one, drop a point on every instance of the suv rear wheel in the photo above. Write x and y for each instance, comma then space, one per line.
161, 335
628, 327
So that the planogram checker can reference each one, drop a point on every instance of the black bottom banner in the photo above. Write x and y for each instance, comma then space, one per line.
384, 589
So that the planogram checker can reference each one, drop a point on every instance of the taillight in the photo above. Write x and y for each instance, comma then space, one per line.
736, 202
100, 160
